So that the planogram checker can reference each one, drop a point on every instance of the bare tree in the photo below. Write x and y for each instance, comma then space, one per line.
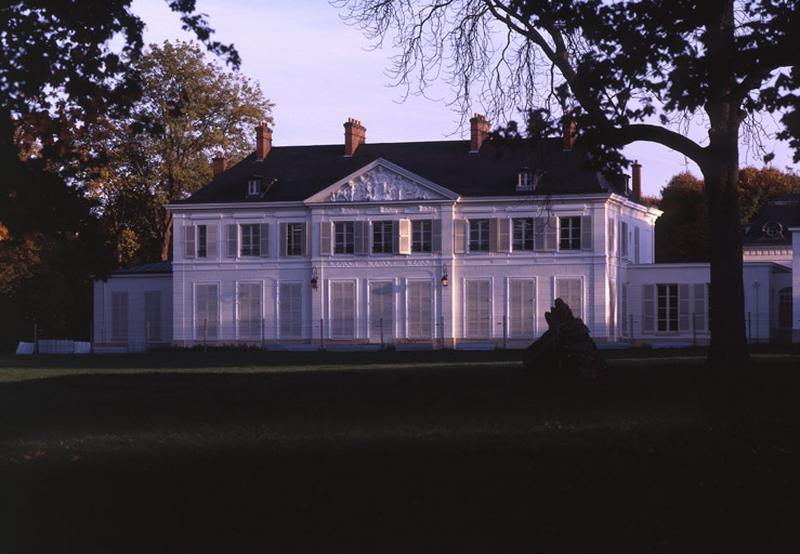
626, 72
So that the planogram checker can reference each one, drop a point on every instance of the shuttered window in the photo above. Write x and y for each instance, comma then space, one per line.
206, 312
478, 306
344, 237
403, 237
699, 310
326, 233
419, 305
382, 237
119, 316
248, 311
545, 234
522, 231
152, 315
381, 311
250, 240
290, 310
499, 235
479, 239
232, 242
343, 320
422, 235
571, 292
521, 309
460, 228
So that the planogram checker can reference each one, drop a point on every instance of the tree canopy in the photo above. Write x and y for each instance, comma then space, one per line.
624, 71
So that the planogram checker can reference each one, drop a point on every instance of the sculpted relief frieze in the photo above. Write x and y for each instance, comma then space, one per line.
381, 185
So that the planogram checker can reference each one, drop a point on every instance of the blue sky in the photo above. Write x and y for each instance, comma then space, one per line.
319, 71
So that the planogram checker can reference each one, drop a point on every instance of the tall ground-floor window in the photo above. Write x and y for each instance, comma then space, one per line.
419, 304
667, 308
478, 306
206, 311
342, 309
381, 311
152, 315
571, 292
785, 308
119, 316
248, 311
290, 310
521, 309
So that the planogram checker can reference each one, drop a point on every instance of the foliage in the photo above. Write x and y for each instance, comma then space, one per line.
159, 152
682, 232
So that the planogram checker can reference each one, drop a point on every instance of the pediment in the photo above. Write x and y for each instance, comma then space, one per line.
382, 181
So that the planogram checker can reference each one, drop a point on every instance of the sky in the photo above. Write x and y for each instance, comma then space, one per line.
319, 71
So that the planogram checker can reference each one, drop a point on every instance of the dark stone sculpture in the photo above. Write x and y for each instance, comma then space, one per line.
565, 349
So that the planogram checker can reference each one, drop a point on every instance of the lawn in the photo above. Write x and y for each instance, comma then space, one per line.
394, 452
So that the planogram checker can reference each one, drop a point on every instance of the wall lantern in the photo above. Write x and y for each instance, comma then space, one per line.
313, 277
445, 280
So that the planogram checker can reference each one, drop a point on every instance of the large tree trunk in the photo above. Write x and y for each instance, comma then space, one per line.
166, 240
721, 172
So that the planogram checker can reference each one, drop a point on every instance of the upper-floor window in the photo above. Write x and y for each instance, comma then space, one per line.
479, 235
202, 241
295, 239
422, 235
249, 245
569, 232
344, 237
382, 237
522, 230
524, 180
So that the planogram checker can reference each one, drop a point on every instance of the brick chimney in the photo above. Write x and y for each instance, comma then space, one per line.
219, 164
355, 134
478, 131
568, 132
263, 141
636, 180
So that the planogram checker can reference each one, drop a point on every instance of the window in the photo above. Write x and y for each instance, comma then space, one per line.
382, 237
206, 311
611, 236
479, 235
571, 292
522, 230
248, 311
419, 300
422, 236
344, 237
569, 233
636, 245
202, 241
785, 308
152, 315
119, 316
623, 310
524, 181
342, 312
254, 186
521, 295
381, 311
667, 308
290, 310
250, 240
295, 239
623, 239
478, 305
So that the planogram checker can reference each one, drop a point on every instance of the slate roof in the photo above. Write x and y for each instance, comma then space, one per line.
157, 267
771, 227
298, 172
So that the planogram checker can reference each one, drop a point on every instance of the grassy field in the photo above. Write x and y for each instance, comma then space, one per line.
395, 452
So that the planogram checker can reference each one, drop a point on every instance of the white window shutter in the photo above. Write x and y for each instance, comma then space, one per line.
212, 241
503, 235
325, 238
305, 240
233, 240
545, 236
189, 241
623, 239
586, 232
648, 308
684, 313
459, 238
436, 236
636, 245
404, 236
263, 240
284, 238
611, 236
699, 313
